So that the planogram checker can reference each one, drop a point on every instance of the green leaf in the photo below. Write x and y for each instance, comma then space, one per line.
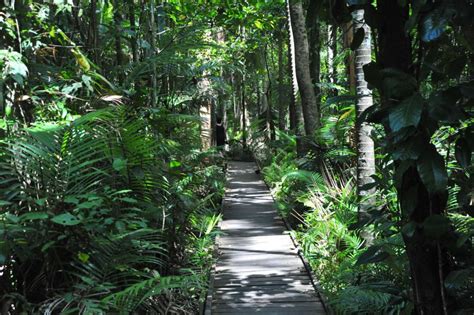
128, 200
407, 113
33, 216
119, 164
17, 70
258, 24
463, 153
372, 74
372, 255
455, 68
71, 199
458, 278
5, 203
174, 164
87, 80
434, 24
358, 38
432, 170
409, 229
462, 240
83, 257
40, 202
410, 149
47, 245
436, 226
444, 106
90, 204
409, 200
66, 219
398, 84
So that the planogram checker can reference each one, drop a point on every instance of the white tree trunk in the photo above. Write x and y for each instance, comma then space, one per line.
365, 144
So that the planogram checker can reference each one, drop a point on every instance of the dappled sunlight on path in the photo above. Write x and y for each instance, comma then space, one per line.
258, 269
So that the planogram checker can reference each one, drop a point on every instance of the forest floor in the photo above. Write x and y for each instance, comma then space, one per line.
258, 268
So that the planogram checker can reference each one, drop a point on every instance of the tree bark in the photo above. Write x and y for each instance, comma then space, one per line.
154, 83
267, 87
348, 38
332, 52
365, 144
118, 38
244, 120
314, 42
292, 103
281, 92
92, 37
133, 28
308, 97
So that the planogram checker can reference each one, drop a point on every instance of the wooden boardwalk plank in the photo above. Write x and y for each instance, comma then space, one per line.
258, 270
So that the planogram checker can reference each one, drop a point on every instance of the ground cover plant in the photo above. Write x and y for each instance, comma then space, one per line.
359, 114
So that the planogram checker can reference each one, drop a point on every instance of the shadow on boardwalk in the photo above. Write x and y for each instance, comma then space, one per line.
258, 269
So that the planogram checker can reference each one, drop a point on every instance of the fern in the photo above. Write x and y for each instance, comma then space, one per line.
372, 298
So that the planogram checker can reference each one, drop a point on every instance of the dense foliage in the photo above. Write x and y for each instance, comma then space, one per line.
416, 231
108, 203
359, 113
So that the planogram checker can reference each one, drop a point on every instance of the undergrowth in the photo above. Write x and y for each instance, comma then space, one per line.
106, 215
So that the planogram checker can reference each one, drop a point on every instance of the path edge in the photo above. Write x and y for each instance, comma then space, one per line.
206, 306
309, 270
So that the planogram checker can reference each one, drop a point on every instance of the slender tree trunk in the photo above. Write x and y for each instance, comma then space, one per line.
332, 53
292, 103
221, 110
79, 26
268, 98
281, 92
314, 41
244, 119
154, 83
236, 81
424, 254
308, 97
348, 38
365, 144
133, 28
118, 38
294, 108
92, 36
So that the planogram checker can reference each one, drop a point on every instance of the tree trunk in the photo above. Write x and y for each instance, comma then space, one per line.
267, 87
314, 41
292, 103
365, 144
424, 254
332, 52
308, 97
281, 92
133, 28
236, 100
118, 39
92, 36
154, 83
244, 121
348, 38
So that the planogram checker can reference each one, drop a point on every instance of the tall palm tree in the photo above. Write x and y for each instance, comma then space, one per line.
365, 144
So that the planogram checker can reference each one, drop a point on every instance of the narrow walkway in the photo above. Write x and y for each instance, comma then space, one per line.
258, 269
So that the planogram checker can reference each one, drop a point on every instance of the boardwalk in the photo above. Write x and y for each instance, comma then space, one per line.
258, 269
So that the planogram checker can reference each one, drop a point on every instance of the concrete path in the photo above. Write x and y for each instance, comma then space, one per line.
258, 269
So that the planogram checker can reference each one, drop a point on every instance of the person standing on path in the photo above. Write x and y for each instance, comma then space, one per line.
220, 133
